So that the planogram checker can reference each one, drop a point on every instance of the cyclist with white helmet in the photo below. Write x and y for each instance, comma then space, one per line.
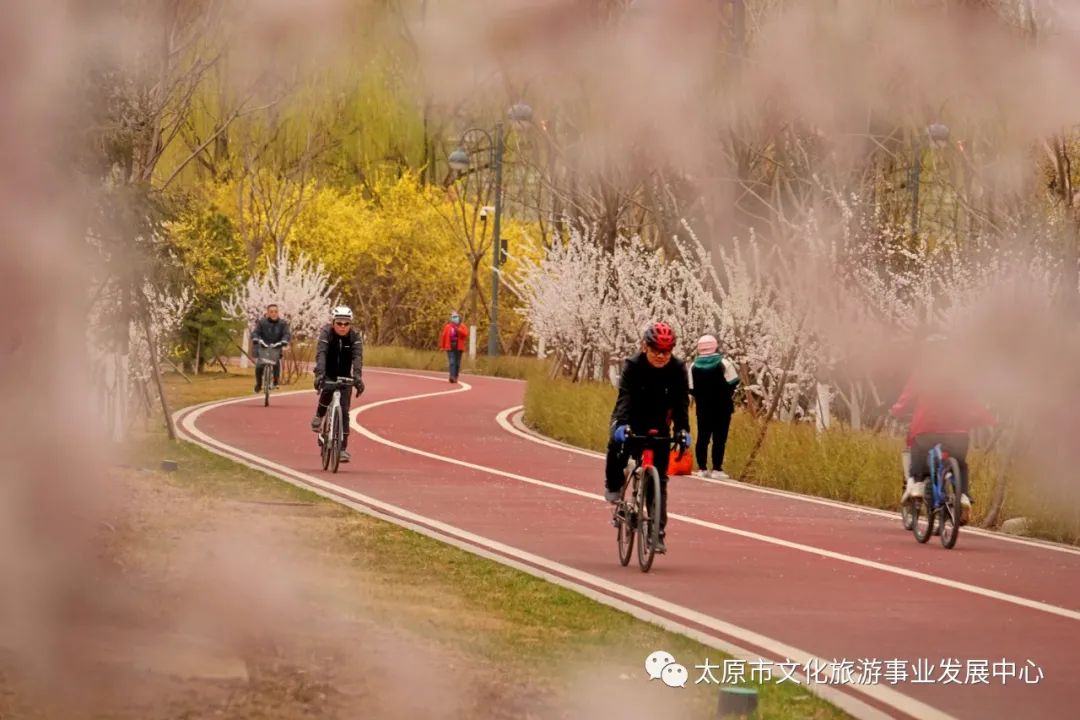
340, 353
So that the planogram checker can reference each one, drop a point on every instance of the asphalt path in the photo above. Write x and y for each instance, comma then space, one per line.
771, 577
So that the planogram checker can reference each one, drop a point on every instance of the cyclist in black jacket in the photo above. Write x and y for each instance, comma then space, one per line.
653, 395
340, 353
271, 328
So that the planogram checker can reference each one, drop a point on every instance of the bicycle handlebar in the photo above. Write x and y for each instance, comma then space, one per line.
669, 440
339, 383
652, 438
262, 342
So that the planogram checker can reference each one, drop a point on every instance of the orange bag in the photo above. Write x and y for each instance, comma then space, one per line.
680, 467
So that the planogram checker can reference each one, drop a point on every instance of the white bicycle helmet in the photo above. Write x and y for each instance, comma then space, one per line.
342, 312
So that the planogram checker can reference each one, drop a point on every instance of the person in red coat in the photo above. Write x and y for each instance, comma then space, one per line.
453, 339
942, 412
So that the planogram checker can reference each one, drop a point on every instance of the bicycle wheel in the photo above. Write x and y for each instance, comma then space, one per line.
908, 513
924, 513
950, 510
648, 523
324, 443
624, 526
267, 374
335, 439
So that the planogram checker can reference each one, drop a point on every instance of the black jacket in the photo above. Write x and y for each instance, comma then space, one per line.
651, 398
713, 391
339, 355
271, 331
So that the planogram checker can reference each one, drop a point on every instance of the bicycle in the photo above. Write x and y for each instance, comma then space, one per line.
638, 516
331, 432
941, 500
907, 509
268, 356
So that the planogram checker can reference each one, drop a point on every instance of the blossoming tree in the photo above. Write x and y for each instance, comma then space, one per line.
127, 369
302, 290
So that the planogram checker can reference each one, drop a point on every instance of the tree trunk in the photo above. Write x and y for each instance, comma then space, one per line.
824, 406
580, 365
177, 370
157, 378
751, 401
147, 403
790, 363
556, 365
855, 406
198, 351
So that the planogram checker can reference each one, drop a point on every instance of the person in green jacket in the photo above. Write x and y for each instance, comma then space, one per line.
714, 381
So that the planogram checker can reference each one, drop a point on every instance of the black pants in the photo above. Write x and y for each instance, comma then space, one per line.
714, 426
956, 444
618, 456
325, 398
259, 372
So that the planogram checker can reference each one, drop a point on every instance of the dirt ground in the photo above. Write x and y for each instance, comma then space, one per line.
204, 607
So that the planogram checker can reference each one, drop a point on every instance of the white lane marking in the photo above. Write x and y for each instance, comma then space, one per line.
568, 577
791, 545
399, 373
507, 422
503, 419
436, 374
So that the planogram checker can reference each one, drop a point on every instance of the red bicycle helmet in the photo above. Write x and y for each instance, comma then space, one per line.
660, 336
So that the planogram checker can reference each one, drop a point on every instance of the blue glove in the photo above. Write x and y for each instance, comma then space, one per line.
620, 433
685, 439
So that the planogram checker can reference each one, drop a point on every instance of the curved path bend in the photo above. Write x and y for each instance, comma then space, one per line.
757, 573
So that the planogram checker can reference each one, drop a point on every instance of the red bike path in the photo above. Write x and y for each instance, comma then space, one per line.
756, 573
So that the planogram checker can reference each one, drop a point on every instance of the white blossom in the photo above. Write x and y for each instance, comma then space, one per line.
301, 289
829, 294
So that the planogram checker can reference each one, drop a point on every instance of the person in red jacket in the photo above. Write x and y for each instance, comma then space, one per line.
941, 412
452, 340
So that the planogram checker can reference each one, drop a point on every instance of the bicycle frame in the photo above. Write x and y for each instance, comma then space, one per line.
942, 499
936, 460
640, 474
335, 402
326, 443
647, 458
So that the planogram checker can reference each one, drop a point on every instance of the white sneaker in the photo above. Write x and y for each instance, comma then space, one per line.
912, 490
707, 474
965, 509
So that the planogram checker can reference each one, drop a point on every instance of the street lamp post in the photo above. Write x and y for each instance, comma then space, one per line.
496, 245
459, 160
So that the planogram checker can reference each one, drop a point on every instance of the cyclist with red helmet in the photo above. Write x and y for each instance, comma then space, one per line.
653, 395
